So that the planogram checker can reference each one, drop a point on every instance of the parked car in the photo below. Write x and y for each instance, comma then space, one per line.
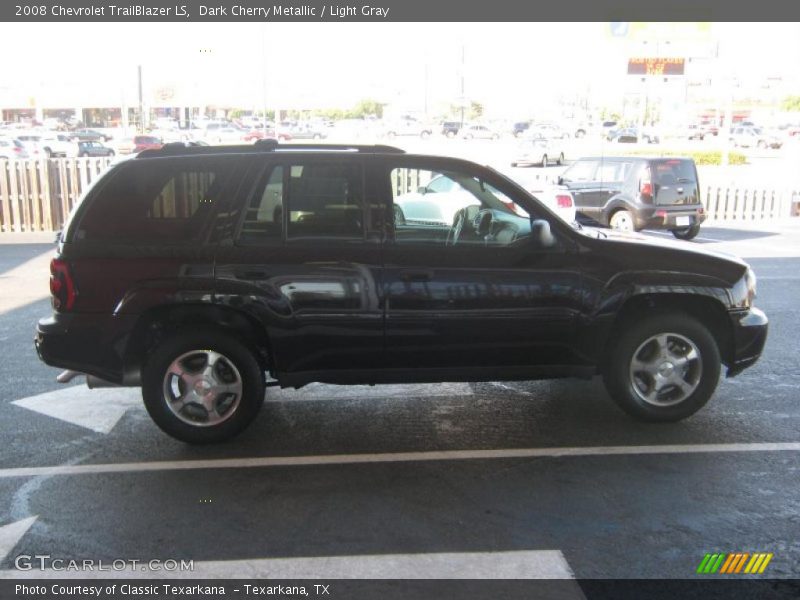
275, 260
557, 198
694, 132
94, 149
632, 135
548, 130
146, 142
478, 132
754, 137
32, 144
450, 128
89, 135
632, 193
253, 134
520, 128
407, 126
539, 150
12, 148
303, 131
58, 145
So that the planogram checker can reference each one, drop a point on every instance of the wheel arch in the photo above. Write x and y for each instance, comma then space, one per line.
160, 322
706, 309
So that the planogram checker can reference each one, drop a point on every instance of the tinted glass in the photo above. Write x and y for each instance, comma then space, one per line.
583, 170
155, 202
263, 220
471, 210
325, 200
672, 171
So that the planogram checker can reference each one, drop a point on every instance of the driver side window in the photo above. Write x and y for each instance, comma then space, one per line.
450, 208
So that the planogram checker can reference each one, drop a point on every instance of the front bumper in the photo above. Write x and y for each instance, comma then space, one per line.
749, 336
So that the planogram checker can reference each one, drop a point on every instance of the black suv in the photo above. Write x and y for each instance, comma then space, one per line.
631, 193
205, 274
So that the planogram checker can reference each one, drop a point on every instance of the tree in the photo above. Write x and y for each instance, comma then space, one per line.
475, 110
367, 108
791, 103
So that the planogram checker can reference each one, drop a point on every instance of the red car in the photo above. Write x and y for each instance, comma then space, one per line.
147, 142
259, 133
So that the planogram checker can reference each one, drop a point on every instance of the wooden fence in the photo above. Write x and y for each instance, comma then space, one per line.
37, 195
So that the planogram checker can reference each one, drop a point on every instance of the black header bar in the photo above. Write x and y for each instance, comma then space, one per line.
396, 11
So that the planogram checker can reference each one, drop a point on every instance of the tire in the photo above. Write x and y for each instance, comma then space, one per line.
191, 421
622, 220
48, 153
561, 159
652, 357
544, 161
111, 153
686, 233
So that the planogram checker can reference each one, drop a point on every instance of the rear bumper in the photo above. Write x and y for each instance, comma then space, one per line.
667, 217
92, 344
749, 336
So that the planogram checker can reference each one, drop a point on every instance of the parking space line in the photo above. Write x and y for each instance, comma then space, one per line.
349, 459
524, 564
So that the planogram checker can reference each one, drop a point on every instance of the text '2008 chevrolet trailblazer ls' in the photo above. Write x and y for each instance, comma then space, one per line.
206, 274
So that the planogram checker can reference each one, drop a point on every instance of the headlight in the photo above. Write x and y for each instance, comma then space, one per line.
750, 282
744, 292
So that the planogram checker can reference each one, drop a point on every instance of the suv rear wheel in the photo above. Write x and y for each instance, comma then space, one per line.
663, 368
686, 233
622, 220
202, 387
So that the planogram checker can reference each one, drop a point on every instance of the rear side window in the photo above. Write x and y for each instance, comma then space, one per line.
156, 202
306, 199
672, 171
325, 200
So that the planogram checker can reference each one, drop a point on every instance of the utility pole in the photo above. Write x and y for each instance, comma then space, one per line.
141, 101
463, 98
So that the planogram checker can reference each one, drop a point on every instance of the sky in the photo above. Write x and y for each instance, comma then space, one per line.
508, 67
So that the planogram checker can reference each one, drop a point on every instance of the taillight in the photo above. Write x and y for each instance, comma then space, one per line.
62, 287
646, 185
17, 149
564, 201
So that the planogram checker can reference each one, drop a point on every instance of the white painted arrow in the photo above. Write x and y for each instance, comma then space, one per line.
101, 409
98, 410
11, 534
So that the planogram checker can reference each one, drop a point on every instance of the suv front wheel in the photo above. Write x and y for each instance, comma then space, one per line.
662, 368
202, 387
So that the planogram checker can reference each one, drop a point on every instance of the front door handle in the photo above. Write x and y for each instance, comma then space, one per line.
416, 275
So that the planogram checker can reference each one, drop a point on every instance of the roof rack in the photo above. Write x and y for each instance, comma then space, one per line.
269, 145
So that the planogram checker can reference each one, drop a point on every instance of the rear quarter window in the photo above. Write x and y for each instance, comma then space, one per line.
671, 171
155, 202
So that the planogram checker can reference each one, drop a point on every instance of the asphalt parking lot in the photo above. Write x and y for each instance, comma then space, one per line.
501, 479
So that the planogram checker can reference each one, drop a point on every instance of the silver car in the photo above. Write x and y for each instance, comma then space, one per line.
539, 150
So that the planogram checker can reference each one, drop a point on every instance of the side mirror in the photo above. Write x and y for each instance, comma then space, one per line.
542, 236
422, 190
560, 180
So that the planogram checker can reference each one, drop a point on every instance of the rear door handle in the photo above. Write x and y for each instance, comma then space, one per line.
416, 275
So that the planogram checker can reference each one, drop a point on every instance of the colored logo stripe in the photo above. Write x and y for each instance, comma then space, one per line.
734, 562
